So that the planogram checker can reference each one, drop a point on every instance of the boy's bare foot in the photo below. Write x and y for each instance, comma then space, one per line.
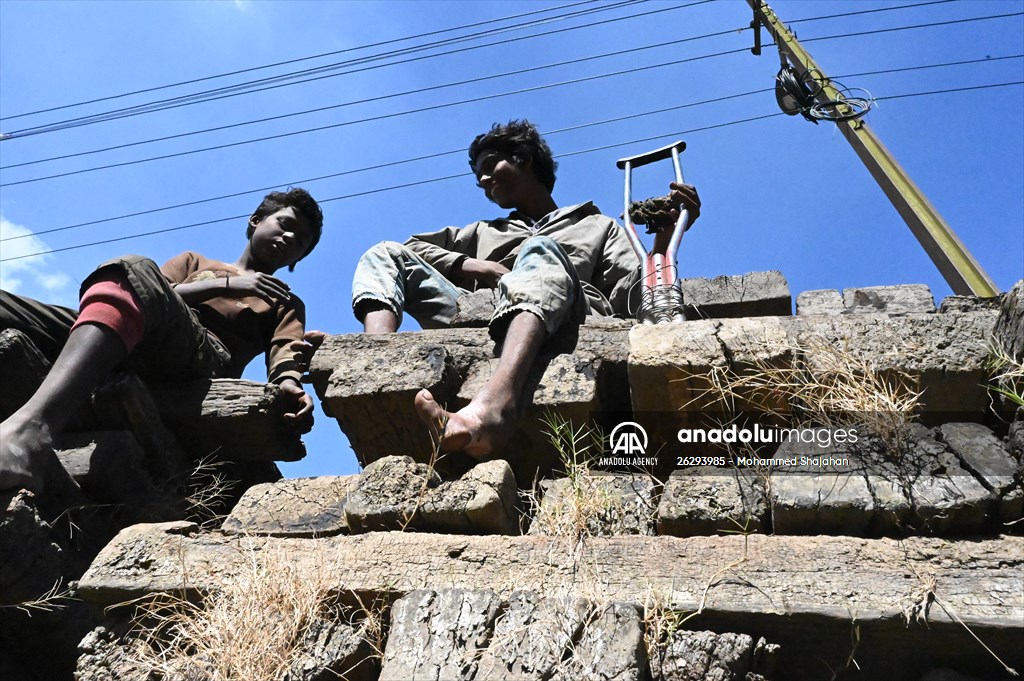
25, 448
475, 429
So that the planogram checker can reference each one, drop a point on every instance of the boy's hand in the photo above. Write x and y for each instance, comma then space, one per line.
300, 415
306, 348
685, 196
270, 289
485, 272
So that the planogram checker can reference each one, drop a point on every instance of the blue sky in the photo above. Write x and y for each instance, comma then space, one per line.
778, 192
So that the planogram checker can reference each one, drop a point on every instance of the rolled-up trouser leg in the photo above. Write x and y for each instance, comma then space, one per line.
543, 281
46, 325
391, 274
174, 344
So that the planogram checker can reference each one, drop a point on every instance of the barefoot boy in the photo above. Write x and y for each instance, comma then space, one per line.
192, 318
550, 265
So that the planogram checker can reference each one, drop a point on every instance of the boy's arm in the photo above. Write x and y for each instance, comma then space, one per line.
285, 362
446, 249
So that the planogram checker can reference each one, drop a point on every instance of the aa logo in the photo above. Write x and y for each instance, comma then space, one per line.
628, 438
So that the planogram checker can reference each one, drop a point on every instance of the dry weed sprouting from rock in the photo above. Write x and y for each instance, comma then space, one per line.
1007, 374
589, 509
827, 386
251, 628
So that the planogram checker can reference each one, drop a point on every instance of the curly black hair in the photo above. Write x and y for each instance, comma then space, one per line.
521, 141
303, 203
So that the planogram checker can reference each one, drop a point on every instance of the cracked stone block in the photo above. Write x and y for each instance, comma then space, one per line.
755, 294
485, 500
531, 637
821, 504
439, 634
944, 355
108, 466
609, 505
969, 304
899, 299
230, 418
302, 507
925, 490
103, 656
820, 490
22, 369
707, 656
332, 650
821, 301
985, 456
369, 382
700, 503
396, 493
1009, 328
475, 308
610, 648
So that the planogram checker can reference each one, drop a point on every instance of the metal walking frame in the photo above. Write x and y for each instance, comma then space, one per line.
661, 299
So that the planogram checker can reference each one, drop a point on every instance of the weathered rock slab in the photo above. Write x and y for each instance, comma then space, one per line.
798, 590
698, 503
944, 355
475, 308
597, 505
109, 466
1009, 328
610, 648
301, 507
985, 456
755, 294
438, 634
707, 656
900, 299
532, 636
229, 419
331, 650
396, 493
820, 301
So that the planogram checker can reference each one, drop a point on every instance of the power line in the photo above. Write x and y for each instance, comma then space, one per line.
870, 11
297, 60
433, 107
476, 99
431, 88
450, 177
188, 100
462, 150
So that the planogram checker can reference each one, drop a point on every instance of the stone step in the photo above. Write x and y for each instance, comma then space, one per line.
803, 593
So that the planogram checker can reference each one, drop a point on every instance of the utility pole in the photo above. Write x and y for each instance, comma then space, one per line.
959, 268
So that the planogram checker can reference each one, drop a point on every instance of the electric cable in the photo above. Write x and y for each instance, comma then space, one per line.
464, 174
548, 133
378, 98
391, 115
441, 31
379, 117
173, 103
460, 150
296, 60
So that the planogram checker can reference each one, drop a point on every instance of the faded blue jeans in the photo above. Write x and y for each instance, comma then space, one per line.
542, 281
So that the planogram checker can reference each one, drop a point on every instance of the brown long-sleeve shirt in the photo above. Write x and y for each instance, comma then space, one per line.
247, 326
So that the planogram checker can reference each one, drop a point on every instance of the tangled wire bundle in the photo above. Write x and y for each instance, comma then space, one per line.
654, 213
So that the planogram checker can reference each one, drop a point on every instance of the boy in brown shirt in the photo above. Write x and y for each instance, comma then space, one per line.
192, 318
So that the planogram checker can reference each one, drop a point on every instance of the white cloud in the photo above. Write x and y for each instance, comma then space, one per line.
31, 274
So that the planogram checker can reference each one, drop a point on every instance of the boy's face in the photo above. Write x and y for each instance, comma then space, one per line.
281, 238
503, 182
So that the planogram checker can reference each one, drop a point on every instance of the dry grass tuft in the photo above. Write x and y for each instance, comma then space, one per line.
252, 628
1007, 374
589, 509
828, 386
